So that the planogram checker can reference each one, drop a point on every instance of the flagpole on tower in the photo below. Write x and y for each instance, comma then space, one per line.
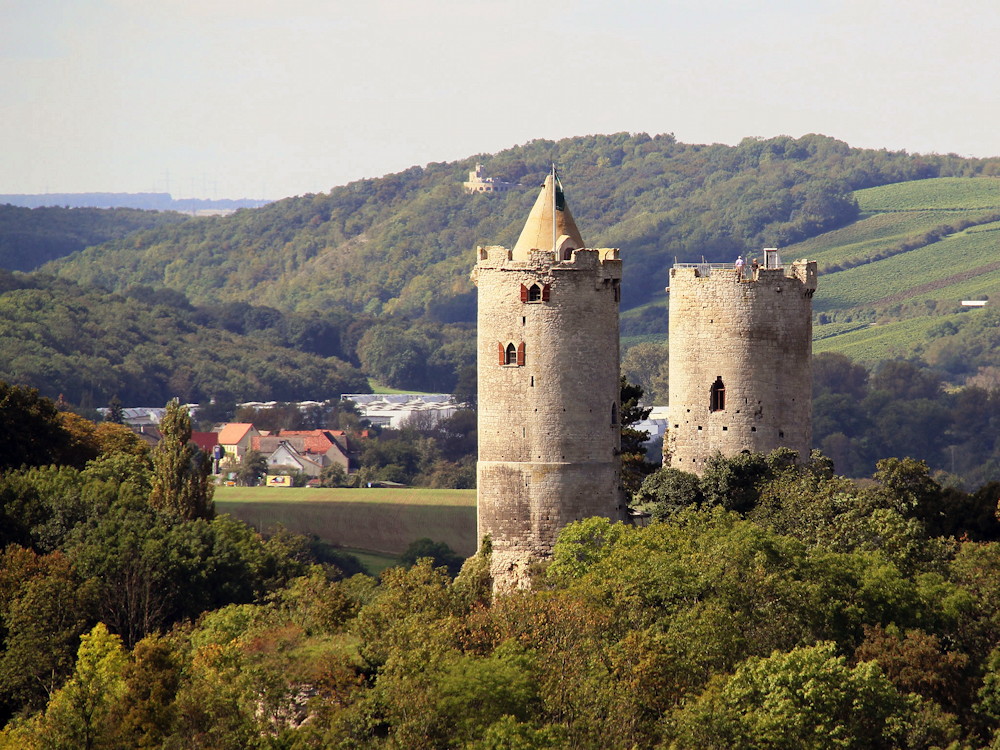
555, 236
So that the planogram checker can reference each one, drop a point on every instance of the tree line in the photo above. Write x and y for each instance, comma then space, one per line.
31, 237
89, 345
769, 604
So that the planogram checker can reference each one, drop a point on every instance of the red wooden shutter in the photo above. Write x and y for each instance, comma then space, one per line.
545, 292
503, 353
524, 293
520, 354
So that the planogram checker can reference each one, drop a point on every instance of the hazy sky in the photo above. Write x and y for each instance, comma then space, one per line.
270, 98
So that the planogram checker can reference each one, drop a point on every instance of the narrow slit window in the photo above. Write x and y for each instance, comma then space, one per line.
614, 414
718, 395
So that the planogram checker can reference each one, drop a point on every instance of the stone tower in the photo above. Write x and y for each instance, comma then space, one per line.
549, 433
740, 360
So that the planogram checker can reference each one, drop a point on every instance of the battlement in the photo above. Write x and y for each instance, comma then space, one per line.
605, 259
495, 253
803, 271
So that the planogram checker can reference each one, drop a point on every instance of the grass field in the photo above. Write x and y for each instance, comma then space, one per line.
374, 563
891, 213
378, 521
401, 496
384, 389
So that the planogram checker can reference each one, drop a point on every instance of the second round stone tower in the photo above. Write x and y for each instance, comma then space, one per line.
740, 360
549, 432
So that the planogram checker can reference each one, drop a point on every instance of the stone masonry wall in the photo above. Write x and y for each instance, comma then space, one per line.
548, 446
755, 338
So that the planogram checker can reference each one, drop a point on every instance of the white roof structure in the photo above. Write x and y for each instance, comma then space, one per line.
143, 416
393, 409
655, 424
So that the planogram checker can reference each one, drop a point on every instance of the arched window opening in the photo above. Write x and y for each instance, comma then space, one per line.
718, 398
614, 414
534, 293
567, 253
510, 355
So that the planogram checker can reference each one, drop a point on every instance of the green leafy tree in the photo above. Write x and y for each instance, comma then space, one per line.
645, 364
181, 484
146, 712
635, 467
116, 413
31, 433
667, 491
333, 475
252, 469
733, 482
44, 609
806, 699
80, 713
439, 553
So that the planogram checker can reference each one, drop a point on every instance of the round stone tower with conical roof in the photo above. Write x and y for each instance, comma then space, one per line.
549, 432
740, 360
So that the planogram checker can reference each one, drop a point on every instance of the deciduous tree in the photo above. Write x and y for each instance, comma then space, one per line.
181, 472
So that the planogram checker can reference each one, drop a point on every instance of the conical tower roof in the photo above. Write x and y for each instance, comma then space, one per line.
537, 232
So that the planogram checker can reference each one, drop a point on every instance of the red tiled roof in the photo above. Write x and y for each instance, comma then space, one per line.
234, 432
315, 441
206, 441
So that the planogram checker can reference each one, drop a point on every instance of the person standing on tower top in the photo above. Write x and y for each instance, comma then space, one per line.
739, 267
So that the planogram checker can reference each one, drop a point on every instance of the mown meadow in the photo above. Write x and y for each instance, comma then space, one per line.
378, 520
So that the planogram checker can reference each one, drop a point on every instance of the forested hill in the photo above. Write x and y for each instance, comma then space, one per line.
404, 243
89, 345
30, 237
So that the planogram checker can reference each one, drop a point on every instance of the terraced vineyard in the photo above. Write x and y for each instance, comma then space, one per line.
931, 272
870, 343
871, 237
919, 249
948, 193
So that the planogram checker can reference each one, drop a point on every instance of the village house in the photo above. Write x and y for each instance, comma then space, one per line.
287, 457
308, 451
235, 438
206, 441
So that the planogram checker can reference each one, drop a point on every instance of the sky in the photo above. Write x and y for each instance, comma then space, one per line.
273, 98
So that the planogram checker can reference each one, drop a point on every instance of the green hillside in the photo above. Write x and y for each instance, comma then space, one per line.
88, 345
918, 250
404, 243
376, 272
944, 194
30, 237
